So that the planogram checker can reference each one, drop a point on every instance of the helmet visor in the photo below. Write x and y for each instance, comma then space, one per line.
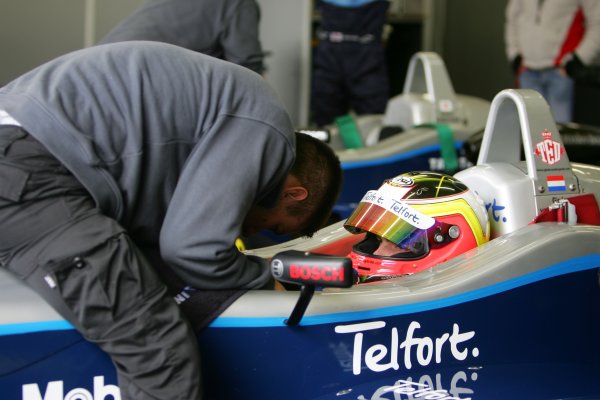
383, 213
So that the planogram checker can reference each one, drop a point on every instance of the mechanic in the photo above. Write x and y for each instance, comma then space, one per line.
226, 29
114, 154
548, 43
349, 67
413, 222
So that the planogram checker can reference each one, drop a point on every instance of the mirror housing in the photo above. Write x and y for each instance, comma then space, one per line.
310, 270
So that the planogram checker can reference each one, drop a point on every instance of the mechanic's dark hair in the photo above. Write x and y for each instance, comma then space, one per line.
318, 168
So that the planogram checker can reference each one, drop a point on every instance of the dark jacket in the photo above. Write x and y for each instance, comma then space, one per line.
226, 29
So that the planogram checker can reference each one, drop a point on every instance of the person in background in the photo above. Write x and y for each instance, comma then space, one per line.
121, 159
226, 29
349, 66
547, 42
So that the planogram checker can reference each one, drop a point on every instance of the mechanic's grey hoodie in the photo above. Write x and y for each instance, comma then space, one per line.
173, 144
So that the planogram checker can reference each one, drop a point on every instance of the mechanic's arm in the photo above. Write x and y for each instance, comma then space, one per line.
237, 161
588, 50
240, 37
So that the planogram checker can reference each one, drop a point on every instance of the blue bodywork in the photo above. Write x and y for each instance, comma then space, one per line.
531, 337
515, 318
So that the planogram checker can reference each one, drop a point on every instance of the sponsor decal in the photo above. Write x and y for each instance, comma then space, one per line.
386, 197
556, 183
55, 391
302, 267
446, 105
316, 273
495, 210
184, 294
425, 388
423, 350
550, 151
401, 181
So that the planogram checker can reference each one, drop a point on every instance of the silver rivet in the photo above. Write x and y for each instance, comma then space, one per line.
79, 263
454, 231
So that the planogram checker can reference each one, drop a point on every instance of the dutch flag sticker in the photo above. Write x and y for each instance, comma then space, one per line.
556, 183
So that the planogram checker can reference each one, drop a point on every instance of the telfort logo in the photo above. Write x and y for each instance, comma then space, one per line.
55, 391
383, 356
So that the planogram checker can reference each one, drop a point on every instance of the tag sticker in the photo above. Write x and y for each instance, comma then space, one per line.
550, 151
446, 105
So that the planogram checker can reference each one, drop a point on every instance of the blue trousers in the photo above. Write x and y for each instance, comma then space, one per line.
555, 87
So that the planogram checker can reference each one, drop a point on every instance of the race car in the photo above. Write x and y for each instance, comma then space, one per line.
514, 318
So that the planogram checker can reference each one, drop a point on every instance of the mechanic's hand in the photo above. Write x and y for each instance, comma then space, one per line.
279, 286
516, 65
574, 67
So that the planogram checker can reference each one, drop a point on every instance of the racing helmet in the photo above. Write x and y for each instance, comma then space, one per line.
428, 217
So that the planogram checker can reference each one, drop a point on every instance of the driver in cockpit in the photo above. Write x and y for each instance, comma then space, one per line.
414, 222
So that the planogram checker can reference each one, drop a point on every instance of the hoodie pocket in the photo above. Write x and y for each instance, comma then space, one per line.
12, 182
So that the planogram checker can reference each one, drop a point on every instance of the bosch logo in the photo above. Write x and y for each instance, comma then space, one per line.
303, 268
316, 273
277, 268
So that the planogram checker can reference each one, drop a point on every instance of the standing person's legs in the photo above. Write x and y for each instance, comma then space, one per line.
329, 98
531, 79
83, 264
559, 93
368, 79
557, 90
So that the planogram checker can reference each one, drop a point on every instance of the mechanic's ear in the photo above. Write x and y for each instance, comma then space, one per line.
297, 193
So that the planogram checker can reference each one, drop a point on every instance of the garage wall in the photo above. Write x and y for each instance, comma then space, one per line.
472, 46
34, 31
108, 13
285, 33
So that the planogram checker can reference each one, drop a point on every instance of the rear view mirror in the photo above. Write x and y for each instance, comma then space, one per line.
310, 271
293, 266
